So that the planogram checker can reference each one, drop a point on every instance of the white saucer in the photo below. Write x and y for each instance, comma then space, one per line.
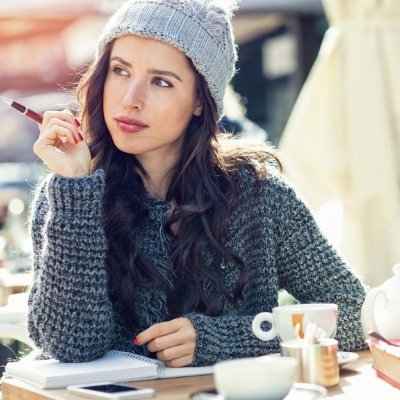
345, 357
306, 391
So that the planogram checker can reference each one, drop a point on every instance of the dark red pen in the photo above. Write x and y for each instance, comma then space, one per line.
24, 110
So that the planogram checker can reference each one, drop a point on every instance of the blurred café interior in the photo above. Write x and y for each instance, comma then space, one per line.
294, 81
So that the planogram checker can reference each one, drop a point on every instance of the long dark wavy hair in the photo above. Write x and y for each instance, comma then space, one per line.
202, 186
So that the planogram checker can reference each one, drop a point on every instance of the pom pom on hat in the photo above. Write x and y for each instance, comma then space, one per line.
199, 28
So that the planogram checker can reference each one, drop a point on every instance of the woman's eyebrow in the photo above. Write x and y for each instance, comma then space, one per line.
150, 71
165, 73
121, 60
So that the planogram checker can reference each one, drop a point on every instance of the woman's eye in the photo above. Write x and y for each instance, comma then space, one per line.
119, 71
161, 82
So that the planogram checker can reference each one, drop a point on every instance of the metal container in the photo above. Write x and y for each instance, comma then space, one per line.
317, 362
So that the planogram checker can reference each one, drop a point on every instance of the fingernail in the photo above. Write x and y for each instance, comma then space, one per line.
136, 341
80, 136
77, 123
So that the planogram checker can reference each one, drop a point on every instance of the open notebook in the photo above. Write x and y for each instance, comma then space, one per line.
115, 366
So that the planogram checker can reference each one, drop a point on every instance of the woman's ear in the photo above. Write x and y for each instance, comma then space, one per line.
198, 109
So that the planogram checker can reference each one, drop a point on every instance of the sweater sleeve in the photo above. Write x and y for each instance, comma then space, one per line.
313, 271
293, 254
70, 315
226, 337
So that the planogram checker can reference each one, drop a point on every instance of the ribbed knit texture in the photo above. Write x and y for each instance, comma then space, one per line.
199, 28
71, 317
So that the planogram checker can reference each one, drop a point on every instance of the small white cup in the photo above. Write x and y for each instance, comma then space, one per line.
257, 378
289, 322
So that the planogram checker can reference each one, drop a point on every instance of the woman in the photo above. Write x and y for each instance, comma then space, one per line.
155, 234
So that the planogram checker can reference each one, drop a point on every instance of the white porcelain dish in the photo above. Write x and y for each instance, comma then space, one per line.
343, 357
306, 391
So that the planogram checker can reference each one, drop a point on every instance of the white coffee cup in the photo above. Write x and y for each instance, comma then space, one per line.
289, 322
257, 378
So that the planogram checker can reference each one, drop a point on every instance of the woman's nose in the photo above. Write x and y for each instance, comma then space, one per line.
134, 96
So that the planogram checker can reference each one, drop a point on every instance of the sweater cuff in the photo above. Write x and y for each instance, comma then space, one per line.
75, 196
208, 342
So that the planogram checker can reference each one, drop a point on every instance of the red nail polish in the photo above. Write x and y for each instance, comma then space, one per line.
136, 341
80, 136
77, 123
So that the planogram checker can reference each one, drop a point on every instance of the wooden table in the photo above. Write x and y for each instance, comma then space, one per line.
358, 381
13, 283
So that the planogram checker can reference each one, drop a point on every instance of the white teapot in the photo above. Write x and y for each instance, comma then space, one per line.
381, 309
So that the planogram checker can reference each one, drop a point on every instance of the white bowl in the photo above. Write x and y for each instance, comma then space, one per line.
257, 378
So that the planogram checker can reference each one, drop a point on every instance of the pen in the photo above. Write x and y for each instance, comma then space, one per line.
24, 110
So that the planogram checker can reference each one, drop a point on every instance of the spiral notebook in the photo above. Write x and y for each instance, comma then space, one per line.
115, 366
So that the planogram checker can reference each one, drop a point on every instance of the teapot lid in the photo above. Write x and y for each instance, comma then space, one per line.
393, 283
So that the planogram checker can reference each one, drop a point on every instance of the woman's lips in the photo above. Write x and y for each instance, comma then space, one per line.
130, 125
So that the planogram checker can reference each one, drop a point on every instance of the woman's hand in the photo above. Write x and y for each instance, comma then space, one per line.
61, 146
173, 341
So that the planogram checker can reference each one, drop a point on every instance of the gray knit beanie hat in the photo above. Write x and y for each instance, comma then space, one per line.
199, 28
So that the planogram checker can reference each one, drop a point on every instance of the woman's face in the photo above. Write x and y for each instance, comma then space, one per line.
149, 98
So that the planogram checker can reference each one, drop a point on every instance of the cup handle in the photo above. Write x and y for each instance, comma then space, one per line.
256, 326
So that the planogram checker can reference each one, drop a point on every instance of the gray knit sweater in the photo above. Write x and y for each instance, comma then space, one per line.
72, 319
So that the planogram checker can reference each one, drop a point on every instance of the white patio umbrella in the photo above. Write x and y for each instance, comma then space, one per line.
342, 139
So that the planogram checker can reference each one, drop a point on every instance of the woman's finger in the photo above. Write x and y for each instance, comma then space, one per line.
57, 122
173, 341
180, 362
167, 334
60, 145
64, 115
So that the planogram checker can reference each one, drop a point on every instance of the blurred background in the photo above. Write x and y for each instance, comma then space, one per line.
319, 79
45, 44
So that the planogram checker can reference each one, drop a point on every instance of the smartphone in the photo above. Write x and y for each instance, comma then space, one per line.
109, 390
